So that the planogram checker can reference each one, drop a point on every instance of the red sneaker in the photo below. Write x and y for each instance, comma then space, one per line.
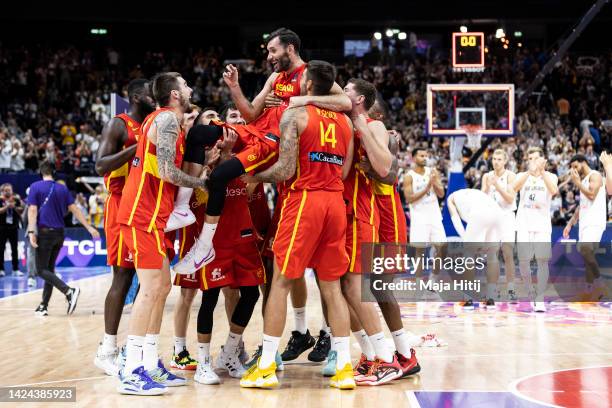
410, 365
362, 368
382, 373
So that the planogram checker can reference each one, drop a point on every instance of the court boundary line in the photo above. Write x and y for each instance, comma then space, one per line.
514, 390
412, 399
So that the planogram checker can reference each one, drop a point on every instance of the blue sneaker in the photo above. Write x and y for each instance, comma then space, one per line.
139, 383
278, 360
330, 368
165, 377
120, 361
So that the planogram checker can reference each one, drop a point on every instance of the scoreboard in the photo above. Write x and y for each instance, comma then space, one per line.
468, 52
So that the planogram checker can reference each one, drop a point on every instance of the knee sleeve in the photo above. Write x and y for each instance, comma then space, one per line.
217, 183
244, 308
198, 138
207, 308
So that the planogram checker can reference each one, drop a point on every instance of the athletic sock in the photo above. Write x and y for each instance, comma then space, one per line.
109, 343
380, 347
402, 342
180, 343
208, 232
203, 352
299, 315
232, 343
149, 352
268, 350
182, 197
364, 343
133, 351
341, 345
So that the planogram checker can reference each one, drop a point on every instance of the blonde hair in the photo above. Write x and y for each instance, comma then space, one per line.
502, 152
535, 149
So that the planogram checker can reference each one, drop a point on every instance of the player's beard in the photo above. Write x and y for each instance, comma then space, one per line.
147, 108
185, 103
284, 63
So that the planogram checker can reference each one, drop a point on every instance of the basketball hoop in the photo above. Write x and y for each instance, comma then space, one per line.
474, 136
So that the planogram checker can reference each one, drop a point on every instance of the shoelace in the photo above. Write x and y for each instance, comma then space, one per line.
322, 342
374, 367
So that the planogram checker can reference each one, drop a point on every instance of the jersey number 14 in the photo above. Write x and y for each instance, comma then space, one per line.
328, 135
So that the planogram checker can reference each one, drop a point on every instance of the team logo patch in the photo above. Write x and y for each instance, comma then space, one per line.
136, 162
252, 157
324, 157
216, 275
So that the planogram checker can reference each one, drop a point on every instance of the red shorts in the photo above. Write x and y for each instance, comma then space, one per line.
192, 281
254, 153
266, 250
311, 233
148, 249
235, 266
357, 233
392, 219
117, 252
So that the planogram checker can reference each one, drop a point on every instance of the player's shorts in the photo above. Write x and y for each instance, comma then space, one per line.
485, 228
192, 281
591, 233
311, 233
255, 153
422, 235
117, 252
266, 249
358, 232
235, 266
392, 219
533, 244
508, 227
148, 249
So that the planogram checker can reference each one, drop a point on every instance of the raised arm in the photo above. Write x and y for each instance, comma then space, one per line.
520, 181
291, 125
336, 100
409, 194
375, 139
391, 178
550, 181
167, 127
249, 110
110, 155
595, 183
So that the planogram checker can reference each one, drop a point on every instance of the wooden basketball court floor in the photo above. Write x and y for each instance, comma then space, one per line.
510, 357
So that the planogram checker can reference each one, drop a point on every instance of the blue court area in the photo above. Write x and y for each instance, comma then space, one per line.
471, 399
11, 285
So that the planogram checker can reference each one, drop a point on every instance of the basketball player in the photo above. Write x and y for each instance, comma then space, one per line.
485, 222
117, 148
591, 216
606, 161
498, 185
257, 147
537, 187
316, 149
422, 189
145, 207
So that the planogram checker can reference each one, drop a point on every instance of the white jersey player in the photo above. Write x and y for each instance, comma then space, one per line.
537, 187
606, 162
498, 185
422, 189
591, 217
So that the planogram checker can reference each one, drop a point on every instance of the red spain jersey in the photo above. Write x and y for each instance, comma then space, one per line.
115, 180
147, 200
323, 146
358, 192
258, 207
392, 218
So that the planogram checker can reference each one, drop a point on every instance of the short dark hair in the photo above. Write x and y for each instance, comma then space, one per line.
46, 168
365, 88
580, 158
418, 149
136, 87
226, 109
163, 84
286, 37
379, 107
322, 74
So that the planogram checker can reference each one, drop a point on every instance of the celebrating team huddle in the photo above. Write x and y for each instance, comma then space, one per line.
176, 171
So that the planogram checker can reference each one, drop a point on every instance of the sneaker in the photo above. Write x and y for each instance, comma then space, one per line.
410, 366
31, 282
343, 379
205, 374
198, 256
120, 360
329, 370
298, 343
278, 360
2, 274
257, 377
229, 361
490, 304
468, 305
381, 372
512, 296
17, 273
72, 297
179, 218
139, 383
321, 348
105, 360
539, 307
243, 355
183, 361
41, 310
362, 368
162, 376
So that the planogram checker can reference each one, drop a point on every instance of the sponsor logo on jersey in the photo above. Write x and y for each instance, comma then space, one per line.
324, 157
136, 162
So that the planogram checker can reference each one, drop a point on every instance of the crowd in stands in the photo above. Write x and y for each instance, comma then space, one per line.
55, 101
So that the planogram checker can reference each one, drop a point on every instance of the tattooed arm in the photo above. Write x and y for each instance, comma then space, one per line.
291, 125
167, 134
336, 100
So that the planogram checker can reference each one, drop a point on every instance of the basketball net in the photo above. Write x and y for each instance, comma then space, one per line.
474, 136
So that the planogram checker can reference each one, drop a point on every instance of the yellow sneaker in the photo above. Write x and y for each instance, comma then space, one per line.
344, 378
257, 377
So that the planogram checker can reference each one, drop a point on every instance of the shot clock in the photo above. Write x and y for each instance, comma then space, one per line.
468, 52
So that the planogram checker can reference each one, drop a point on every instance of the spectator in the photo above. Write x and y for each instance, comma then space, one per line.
31, 157
11, 208
96, 207
81, 203
17, 157
5, 152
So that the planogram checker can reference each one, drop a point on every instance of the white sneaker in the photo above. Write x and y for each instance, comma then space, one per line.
179, 218
230, 362
205, 374
539, 307
17, 273
31, 282
105, 360
242, 354
198, 256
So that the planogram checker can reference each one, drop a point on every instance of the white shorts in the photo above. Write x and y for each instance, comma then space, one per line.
590, 233
508, 227
422, 235
531, 243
